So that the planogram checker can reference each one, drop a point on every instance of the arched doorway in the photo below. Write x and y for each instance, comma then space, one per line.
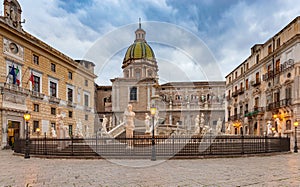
255, 129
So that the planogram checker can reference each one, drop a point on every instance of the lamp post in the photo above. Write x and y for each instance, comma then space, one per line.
153, 152
296, 147
27, 118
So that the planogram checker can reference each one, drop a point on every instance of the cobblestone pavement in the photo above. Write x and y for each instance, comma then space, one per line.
277, 170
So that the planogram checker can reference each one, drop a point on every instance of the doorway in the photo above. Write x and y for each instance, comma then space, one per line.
13, 132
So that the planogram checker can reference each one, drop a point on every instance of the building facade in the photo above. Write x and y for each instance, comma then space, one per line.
179, 102
262, 93
39, 79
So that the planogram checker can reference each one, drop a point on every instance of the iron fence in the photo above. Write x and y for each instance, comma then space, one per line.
173, 146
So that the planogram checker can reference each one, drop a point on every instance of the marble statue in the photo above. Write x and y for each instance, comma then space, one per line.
66, 132
78, 130
269, 128
228, 128
129, 116
60, 126
279, 126
53, 132
219, 126
197, 124
202, 121
147, 123
87, 131
104, 124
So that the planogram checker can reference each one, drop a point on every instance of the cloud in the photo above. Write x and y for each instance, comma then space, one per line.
245, 24
229, 28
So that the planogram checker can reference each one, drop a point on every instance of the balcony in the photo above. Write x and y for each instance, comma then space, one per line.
255, 83
235, 93
87, 108
256, 110
228, 98
37, 95
54, 100
287, 65
14, 88
234, 117
279, 104
241, 90
268, 76
71, 104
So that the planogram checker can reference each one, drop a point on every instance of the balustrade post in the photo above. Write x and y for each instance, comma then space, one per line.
72, 144
242, 144
45, 144
96, 142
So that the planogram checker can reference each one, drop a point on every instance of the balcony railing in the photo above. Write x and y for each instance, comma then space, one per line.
228, 98
54, 100
287, 65
71, 104
87, 108
234, 117
235, 93
255, 111
241, 90
37, 95
15, 88
279, 104
256, 82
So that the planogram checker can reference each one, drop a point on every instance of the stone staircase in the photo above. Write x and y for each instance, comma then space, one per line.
120, 129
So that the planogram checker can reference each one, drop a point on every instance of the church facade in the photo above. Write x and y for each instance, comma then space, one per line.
39, 79
178, 102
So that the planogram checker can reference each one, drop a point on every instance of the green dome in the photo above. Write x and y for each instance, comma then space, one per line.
138, 50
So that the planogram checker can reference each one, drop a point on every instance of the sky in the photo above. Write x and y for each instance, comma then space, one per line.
226, 29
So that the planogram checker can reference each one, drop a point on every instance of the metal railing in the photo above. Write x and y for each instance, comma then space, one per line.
279, 104
173, 146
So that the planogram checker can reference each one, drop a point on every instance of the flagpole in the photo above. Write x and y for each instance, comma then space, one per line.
28, 79
24, 75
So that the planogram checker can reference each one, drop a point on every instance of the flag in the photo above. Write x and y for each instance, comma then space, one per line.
31, 79
18, 76
13, 73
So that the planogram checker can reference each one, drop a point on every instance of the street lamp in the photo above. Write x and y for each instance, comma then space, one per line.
38, 130
295, 147
237, 125
273, 131
153, 153
27, 118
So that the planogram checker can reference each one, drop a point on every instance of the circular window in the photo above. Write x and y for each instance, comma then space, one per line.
289, 75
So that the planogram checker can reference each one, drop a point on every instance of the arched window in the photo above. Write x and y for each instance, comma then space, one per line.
133, 94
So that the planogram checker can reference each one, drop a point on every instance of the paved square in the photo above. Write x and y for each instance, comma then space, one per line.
278, 170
